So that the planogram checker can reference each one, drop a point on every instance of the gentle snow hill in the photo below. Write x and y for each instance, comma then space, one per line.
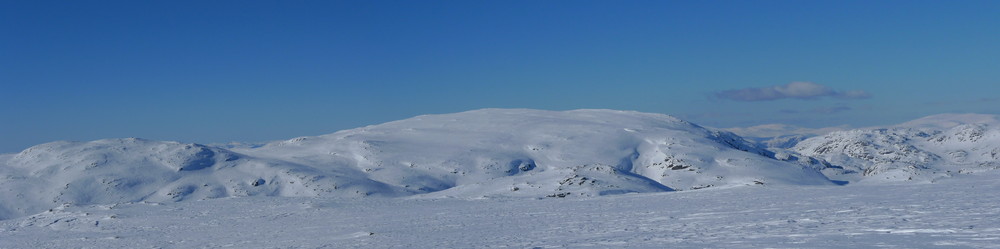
946, 121
903, 153
482, 153
504, 152
131, 170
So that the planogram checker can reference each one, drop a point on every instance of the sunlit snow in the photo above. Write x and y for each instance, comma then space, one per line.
515, 178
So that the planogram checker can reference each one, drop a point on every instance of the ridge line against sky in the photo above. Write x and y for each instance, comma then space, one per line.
220, 71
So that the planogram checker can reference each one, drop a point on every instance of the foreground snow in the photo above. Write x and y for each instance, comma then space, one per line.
957, 212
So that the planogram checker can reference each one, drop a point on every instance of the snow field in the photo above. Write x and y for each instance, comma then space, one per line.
959, 212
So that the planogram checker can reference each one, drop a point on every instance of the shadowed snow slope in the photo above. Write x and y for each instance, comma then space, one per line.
483, 153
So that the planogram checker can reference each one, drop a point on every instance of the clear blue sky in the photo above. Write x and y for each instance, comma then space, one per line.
219, 71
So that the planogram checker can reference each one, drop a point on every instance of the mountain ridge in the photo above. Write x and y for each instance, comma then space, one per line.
481, 153
490, 153
901, 153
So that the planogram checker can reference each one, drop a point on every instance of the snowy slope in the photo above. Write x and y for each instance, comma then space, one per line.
904, 153
129, 170
483, 153
532, 153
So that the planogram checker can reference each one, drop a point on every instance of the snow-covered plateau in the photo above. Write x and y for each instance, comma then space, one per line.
958, 212
517, 178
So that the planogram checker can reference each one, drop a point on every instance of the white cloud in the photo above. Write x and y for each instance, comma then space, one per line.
794, 90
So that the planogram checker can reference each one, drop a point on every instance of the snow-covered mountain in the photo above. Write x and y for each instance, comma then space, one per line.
780, 136
946, 121
130, 170
784, 136
915, 150
483, 153
498, 151
490, 153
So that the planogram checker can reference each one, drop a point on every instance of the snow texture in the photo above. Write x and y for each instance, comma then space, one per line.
958, 212
516, 178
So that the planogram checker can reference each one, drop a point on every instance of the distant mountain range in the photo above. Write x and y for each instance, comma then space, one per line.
907, 152
493, 153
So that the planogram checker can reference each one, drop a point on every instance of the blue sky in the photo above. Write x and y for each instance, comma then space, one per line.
218, 71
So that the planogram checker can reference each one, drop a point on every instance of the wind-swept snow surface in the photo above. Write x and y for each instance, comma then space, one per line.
483, 153
959, 212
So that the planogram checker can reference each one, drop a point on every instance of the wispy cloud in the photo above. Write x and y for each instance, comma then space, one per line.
963, 101
988, 100
818, 110
794, 90
831, 110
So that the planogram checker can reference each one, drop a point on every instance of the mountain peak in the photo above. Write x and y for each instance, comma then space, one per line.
948, 120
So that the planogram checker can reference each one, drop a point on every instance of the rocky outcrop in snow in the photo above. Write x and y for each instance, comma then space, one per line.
907, 153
